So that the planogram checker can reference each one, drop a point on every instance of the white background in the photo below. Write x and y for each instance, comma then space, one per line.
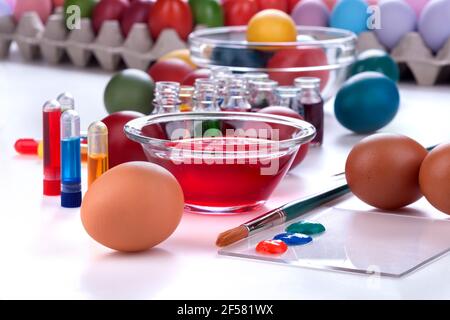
45, 252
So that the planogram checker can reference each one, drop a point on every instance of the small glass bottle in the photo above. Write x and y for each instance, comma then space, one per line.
312, 102
236, 96
262, 93
67, 101
255, 76
219, 72
167, 97
186, 98
205, 97
287, 97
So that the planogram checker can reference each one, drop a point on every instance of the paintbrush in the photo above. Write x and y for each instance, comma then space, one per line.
280, 215
284, 213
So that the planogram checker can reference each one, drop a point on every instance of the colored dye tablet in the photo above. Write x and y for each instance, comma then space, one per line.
271, 247
293, 239
306, 227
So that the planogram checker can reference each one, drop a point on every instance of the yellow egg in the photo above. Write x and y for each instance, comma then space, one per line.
133, 207
271, 26
182, 54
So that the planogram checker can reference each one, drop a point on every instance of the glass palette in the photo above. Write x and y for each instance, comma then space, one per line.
359, 242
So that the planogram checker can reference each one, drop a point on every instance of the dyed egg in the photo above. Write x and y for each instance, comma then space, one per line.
130, 89
367, 102
397, 19
207, 13
378, 61
383, 170
58, 3
137, 12
86, 7
170, 70
182, 54
286, 112
271, 26
239, 12
231, 57
108, 10
5, 8
171, 14
417, 5
433, 24
121, 149
295, 58
189, 80
133, 207
350, 15
434, 178
42, 7
273, 4
311, 13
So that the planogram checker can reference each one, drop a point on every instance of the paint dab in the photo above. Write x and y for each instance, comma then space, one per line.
306, 227
293, 239
271, 247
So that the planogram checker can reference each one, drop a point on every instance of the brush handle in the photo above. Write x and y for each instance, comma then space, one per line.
299, 207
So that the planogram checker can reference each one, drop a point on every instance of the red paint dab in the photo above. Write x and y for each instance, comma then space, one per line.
271, 247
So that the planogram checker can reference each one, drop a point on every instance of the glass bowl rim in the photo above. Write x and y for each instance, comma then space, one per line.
133, 128
199, 35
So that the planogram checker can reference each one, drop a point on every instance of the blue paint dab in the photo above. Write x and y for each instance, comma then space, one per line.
293, 239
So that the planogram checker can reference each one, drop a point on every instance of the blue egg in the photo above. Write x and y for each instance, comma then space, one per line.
246, 58
350, 15
293, 239
367, 102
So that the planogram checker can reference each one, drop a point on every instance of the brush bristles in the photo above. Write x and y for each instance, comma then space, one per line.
231, 236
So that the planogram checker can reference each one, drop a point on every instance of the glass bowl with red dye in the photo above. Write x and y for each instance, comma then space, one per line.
226, 162
324, 53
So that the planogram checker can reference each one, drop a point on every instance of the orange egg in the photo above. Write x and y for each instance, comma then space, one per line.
383, 170
434, 178
271, 26
133, 207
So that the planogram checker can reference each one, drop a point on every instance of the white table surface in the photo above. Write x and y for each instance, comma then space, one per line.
45, 252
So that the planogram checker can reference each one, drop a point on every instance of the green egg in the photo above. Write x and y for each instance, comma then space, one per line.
378, 61
86, 8
207, 13
129, 90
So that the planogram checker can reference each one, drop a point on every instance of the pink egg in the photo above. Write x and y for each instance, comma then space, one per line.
42, 7
311, 13
417, 5
11, 3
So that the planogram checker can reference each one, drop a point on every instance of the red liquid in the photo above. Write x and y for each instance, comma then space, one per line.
314, 114
224, 181
52, 147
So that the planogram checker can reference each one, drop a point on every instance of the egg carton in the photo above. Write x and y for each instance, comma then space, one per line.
53, 41
412, 54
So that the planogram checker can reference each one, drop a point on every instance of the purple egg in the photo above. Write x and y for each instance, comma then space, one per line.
434, 26
311, 13
397, 19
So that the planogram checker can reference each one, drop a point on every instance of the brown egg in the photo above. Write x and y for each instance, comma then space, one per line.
133, 207
434, 178
383, 170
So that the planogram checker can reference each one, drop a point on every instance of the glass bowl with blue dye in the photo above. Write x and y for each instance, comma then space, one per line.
226, 162
326, 53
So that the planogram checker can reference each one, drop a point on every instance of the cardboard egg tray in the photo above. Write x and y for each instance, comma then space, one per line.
109, 47
413, 54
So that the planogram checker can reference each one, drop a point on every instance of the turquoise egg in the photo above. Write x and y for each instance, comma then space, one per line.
367, 102
376, 60
350, 15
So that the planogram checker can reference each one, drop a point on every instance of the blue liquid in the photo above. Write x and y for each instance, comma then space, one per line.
70, 161
293, 239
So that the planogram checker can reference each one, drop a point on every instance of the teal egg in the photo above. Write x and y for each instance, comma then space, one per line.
378, 61
350, 15
367, 102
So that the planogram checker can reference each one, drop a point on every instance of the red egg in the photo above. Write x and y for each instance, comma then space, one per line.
286, 112
122, 149
137, 12
301, 57
43, 8
170, 70
189, 80
108, 10
171, 14
273, 4
58, 3
239, 12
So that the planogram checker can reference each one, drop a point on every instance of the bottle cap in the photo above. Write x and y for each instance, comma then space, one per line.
70, 199
52, 187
